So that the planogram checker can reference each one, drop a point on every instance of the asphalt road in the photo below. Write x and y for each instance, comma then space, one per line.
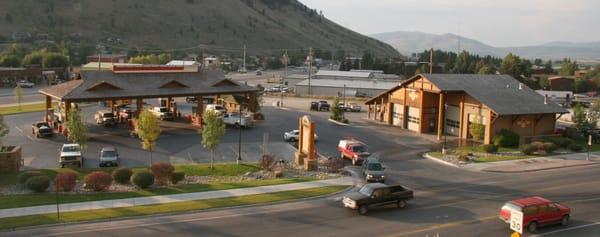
449, 201
29, 95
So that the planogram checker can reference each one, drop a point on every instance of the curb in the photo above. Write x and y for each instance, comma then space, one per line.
427, 156
540, 169
179, 213
338, 123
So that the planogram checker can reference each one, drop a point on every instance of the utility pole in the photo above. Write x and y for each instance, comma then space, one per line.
344, 101
431, 61
240, 136
285, 64
309, 59
244, 67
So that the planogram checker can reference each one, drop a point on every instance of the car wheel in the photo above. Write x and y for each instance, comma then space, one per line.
292, 139
363, 210
62, 166
532, 227
565, 220
401, 204
237, 125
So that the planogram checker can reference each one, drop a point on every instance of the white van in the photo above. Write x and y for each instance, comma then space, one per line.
217, 108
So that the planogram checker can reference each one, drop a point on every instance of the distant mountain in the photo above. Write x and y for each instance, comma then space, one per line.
265, 26
408, 42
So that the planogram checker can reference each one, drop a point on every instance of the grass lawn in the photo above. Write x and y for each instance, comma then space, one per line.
26, 108
15, 222
478, 149
484, 159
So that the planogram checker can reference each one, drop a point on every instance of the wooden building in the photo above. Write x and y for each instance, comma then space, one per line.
446, 104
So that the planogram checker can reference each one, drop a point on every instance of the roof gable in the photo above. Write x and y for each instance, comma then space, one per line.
225, 82
102, 86
174, 84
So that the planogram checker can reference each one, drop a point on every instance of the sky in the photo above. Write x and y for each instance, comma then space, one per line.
500, 23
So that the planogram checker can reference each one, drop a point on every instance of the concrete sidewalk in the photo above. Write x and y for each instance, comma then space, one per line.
537, 164
129, 202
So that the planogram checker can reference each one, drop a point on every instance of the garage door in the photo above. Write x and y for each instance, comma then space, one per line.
414, 119
452, 125
398, 115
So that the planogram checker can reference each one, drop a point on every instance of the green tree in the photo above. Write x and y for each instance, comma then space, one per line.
368, 59
580, 118
148, 130
568, 68
476, 130
212, 132
511, 66
336, 112
164, 58
77, 130
594, 113
463, 62
34, 58
486, 69
9, 61
544, 82
3, 130
18, 95
54, 60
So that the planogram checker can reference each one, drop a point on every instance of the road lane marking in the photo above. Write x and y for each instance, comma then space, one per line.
568, 229
444, 226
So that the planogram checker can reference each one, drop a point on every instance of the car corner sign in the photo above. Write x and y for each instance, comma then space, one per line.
516, 221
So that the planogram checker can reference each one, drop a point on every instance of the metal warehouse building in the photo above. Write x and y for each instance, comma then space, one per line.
353, 88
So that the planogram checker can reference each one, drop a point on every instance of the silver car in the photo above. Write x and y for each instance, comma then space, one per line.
109, 157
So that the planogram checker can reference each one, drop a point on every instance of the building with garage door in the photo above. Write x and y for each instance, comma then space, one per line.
446, 104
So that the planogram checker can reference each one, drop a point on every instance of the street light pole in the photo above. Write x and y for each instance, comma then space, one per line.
344, 101
240, 136
285, 62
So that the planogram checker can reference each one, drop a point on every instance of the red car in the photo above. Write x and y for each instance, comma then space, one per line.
537, 211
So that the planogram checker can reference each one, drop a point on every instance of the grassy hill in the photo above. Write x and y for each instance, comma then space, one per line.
217, 26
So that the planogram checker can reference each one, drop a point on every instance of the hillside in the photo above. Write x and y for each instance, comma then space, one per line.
266, 26
410, 42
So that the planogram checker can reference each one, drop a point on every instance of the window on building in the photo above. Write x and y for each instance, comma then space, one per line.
452, 123
412, 119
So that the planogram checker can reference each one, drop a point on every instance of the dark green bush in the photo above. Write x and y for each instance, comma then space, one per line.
142, 179
122, 175
489, 148
463, 157
38, 183
506, 138
550, 147
563, 142
177, 177
527, 149
538, 146
575, 147
23, 177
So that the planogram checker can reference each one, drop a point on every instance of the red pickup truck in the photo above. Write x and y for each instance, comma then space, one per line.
353, 150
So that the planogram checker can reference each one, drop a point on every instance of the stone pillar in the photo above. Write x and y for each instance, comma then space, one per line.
199, 110
252, 102
488, 128
441, 111
461, 119
67, 110
48, 107
169, 100
369, 111
139, 105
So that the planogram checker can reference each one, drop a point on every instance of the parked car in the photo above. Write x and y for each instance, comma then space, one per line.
125, 112
25, 84
70, 154
537, 211
353, 150
42, 129
323, 106
109, 157
293, 136
106, 118
217, 108
377, 194
191, 99
342, 106
258, 72
373, 170
234, 119
314, 106
162, 113
353, 107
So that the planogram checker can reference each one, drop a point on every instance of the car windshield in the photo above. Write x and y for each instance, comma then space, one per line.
42, 124
375, 167
163, 110
109, 153
358, 149
109, 115
218, 107
511, 206
70, 149
365, 190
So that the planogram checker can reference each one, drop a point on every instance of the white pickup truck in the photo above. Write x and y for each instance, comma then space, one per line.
162, 113
234, 119
25, 84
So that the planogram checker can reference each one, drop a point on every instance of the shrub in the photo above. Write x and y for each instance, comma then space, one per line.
527, 149
506, 138
142, 179
162, 172
267, 162
67, 180
489, 148
575, 147
98, 181
550, 147
23, 177
476, 131
573, 133
538, 146
463, 157
177, 177
563, 142
122, 175
38, 183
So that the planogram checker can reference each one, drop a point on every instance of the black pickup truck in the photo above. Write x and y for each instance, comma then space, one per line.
377, 194
42, 129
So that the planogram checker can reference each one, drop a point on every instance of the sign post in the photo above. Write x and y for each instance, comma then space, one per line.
516, 222
589, 146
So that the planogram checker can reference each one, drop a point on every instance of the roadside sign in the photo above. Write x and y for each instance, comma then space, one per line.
516, 221
590, 140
